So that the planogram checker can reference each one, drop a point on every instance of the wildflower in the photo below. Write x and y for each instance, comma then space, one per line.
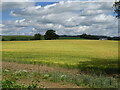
25, 71
46, 76
6, 70
63, 77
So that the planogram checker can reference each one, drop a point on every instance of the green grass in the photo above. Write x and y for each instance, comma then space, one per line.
87, 55
17, 37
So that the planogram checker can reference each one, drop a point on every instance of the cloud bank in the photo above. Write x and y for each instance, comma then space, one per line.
71, 18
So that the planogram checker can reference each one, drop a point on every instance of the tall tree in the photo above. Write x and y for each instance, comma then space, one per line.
37, 36
116, 6
50, 34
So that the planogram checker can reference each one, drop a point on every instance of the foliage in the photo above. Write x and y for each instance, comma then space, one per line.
62, 37
17, 38
69, 38
46, 76
90, 80
116, 6
3, 39
13, 39
37, 36
50, 34
97, 37
12, 84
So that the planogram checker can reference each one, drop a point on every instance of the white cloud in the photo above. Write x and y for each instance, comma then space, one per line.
67, 18
14, 5
2, 25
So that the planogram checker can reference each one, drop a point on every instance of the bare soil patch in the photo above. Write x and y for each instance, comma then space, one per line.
37, 68
31, 67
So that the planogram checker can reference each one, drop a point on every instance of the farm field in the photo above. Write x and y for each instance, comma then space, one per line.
88, 57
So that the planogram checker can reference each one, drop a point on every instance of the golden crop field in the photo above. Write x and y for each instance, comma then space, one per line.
82, 54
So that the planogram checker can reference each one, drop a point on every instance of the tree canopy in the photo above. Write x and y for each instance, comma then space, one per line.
50, 35
116, 6
37, 36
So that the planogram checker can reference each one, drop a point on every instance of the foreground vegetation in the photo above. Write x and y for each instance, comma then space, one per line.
91, 81
34, 78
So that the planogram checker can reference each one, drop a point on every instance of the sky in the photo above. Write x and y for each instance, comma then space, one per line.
65, 17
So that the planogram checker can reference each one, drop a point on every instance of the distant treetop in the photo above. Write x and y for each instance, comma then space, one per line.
50, 35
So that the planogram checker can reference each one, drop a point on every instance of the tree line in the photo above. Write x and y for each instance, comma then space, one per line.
49, 35
98, 37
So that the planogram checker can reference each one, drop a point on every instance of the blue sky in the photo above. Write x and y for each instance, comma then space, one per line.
71, 18
44, 3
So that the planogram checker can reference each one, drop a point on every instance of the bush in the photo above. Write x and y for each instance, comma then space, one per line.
3, 39
12, 39
37, 36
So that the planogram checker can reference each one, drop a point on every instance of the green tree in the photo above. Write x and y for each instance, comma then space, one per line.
116, 7
37, 36
50, 34
84, 35
3, 39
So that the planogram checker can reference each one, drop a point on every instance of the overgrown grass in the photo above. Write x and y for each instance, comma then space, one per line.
12, 79
86, 80
86, 55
